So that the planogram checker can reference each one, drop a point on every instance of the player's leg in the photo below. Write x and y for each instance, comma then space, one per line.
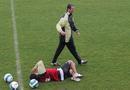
73, 69
69, 70
58, 50
72, 66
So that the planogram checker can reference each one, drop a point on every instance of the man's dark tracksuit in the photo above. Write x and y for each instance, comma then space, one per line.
70, 45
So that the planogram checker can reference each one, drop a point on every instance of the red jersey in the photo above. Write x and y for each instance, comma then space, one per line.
51, 74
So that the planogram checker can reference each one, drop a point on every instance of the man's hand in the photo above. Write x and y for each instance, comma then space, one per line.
62, 33
78, 33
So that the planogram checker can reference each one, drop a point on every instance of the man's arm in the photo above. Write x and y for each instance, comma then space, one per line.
59, 29
72, 24
62, 22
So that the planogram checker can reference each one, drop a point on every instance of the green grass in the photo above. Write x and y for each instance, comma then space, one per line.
105, 41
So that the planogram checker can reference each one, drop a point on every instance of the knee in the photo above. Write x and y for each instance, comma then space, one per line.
70, 62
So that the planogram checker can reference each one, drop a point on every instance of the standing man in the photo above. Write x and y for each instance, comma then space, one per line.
65, 26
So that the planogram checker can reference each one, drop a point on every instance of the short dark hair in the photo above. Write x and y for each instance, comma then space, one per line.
33, 76
69, 6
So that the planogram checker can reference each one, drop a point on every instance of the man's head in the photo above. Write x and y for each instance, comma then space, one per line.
70, 8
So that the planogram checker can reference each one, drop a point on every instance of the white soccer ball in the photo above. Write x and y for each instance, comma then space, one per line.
14, 85
8, 78
33, 83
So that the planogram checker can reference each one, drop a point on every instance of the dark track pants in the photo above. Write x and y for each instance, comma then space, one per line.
70, 45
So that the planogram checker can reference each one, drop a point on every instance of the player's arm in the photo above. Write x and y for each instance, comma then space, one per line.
34, 69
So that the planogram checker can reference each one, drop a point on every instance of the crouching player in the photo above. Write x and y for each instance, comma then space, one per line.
42, 74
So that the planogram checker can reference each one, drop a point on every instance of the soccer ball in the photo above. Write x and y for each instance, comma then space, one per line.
8, 78
33, 83
14, 85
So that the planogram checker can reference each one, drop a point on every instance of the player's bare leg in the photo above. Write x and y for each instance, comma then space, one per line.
73, 71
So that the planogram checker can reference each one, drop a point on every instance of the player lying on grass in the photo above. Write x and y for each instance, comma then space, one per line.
42, 74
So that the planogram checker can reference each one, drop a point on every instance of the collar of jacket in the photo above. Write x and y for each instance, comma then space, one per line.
69, 14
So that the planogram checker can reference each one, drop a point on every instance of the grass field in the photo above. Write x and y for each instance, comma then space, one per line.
105, 40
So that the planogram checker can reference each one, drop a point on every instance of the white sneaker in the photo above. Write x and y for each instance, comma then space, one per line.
79, 75
75, 79
84, 61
